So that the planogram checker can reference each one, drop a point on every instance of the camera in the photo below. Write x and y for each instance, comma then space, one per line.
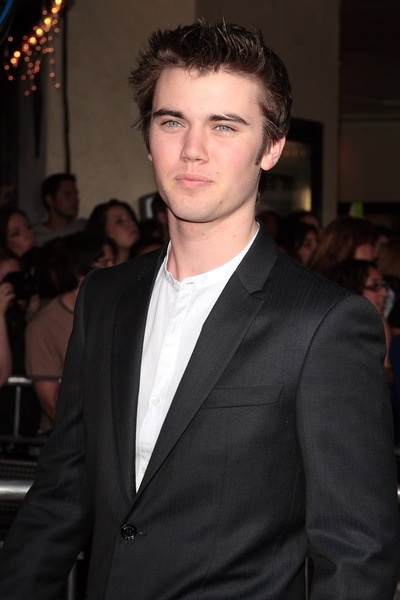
24, 285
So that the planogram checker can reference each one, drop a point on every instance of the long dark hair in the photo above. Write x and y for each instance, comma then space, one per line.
352, 274
97, 220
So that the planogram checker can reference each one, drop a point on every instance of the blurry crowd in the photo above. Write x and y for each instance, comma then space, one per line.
42, 266
359, 256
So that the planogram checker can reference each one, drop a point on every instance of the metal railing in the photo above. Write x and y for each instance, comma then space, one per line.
19, 382
16, 489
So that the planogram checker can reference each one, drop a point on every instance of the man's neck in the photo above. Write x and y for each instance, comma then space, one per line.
68, 299
199, 248
57, 222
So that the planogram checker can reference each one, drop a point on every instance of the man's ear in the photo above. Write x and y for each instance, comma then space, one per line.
271, 157
149, 156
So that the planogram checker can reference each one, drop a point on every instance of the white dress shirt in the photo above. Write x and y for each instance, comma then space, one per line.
176, 315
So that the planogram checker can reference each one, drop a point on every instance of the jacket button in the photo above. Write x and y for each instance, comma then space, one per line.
128, 531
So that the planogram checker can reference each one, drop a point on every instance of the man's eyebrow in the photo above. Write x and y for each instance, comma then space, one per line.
166, 112
177, 114
232, 117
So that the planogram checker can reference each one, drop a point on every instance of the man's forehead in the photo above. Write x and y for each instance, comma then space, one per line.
210, 86
67, 184
193, 74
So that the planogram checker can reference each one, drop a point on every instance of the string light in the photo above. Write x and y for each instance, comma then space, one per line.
35, 47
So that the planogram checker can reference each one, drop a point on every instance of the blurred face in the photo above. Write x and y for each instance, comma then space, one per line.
375, 289
66, 201
381, 241
307, 248
365, 252
312, 220
121, 227
8, 266
20, 236
107, 259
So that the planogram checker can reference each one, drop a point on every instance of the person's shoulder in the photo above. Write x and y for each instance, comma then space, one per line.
40, 229
266, 269
308, 299
295, 273
46, 310
43, 308
128, 272
39, 226
42, 233
75, 226
299, 289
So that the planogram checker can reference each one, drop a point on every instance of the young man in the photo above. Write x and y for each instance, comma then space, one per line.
60, 198
250, 391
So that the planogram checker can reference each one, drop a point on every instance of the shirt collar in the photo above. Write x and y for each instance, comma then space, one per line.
210, 277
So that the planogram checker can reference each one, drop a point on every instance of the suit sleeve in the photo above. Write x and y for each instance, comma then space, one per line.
54, 522
345, 429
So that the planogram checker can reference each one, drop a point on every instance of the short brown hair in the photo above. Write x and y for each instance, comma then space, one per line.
202, 47
51, 185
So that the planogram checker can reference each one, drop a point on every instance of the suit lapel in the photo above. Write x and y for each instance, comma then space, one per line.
221, 335
130, 324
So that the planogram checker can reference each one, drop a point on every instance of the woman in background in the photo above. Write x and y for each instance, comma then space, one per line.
18, 239
16, 308
343, 239
298, 240
16, 233
364, 278
115, 219
389, 265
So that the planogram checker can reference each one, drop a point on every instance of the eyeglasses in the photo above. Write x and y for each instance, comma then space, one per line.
377, 286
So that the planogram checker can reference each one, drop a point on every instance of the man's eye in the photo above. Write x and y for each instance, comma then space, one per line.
224, 128
171, 124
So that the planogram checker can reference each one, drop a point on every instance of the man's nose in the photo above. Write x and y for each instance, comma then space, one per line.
194, 145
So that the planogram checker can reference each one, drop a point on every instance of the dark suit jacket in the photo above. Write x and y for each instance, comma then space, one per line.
278, 444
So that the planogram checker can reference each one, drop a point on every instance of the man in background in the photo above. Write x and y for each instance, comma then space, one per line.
60, 198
